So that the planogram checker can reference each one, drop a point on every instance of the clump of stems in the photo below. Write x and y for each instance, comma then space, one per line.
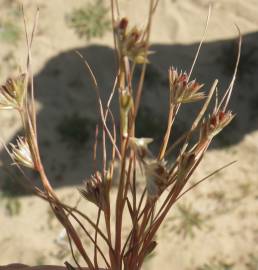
146, 216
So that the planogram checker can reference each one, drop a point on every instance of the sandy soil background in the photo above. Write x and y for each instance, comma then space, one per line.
213, 228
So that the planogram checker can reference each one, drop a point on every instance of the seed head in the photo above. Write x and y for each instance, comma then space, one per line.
131, 43
183, 91
94, 190
215, 123
21, 153
12, 92
156, 178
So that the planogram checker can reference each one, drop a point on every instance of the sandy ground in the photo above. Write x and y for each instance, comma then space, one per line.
226, 207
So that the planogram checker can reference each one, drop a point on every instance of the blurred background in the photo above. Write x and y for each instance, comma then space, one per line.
215, 227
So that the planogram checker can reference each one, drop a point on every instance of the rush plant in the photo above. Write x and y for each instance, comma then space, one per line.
166, 182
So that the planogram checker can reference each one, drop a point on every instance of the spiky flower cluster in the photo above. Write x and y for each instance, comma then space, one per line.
94, 190
181, 90
12, 92
12, 97
21, 153
131, 42
217, 121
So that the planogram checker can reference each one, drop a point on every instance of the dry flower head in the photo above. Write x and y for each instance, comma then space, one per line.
21, 153
12, 92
